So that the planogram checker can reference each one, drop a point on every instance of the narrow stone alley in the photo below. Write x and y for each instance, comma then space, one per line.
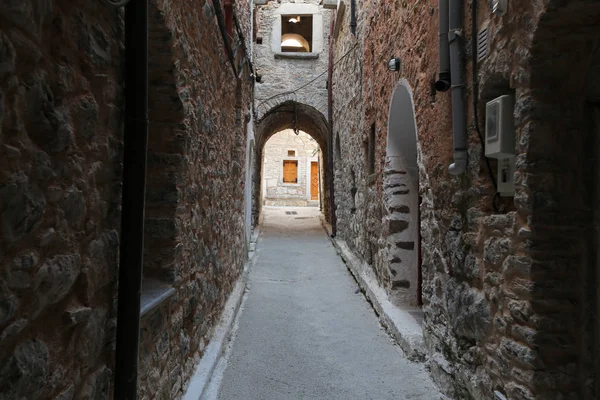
306, 331
450, 148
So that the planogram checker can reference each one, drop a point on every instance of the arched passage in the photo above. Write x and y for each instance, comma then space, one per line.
292, 115
401, 191
560, 193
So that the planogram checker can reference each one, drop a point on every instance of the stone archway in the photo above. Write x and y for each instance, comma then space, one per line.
401, 196
290, 115
559, 197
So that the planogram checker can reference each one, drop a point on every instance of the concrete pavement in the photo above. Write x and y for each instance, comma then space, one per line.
306, 332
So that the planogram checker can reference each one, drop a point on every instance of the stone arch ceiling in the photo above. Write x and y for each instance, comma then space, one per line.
309, 120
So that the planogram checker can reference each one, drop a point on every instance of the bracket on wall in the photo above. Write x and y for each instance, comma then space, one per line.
500, 7
295, 121
329, 4
339, 18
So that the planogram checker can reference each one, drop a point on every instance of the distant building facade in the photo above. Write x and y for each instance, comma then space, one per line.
291, 171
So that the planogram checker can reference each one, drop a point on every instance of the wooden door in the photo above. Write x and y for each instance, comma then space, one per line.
314, 181
290, 171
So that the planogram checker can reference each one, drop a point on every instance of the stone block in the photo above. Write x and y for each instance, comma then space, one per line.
469, 308
517, 266
48, 125
7, 55
27, 50
85, 112
24, 374
24, 206
88, 339
13, 329
66, 394
496, 250
92, 39
74, 206
54, 280
97, 385
9, 304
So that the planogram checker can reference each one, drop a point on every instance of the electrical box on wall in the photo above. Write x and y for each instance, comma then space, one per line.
500, 141
506, 176
499, 7
500, 128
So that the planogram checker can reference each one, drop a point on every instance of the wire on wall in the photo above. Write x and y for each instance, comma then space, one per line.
476, 103
314, 79
327, 70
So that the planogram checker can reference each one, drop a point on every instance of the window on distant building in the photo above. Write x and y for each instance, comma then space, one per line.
296, 33
290, 171
291, 153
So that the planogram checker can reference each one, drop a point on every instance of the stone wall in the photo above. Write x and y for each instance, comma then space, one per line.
282, 73
60, 176
60, 130
292, 91
196, 168
499, 282
306, 150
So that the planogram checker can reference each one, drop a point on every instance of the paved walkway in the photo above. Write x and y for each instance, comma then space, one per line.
305, 330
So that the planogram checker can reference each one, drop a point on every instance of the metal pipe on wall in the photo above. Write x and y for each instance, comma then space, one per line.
353, 16
135, 143
458, 87
330, 144
443, 83
223, 28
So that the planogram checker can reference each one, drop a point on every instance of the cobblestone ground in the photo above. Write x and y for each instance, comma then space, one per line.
306, 331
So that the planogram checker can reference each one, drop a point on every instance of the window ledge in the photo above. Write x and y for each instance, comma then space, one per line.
297, 56
154, 293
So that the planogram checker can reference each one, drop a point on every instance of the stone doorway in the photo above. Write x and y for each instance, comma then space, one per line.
314, 180
401, 195
288, 170
293, 117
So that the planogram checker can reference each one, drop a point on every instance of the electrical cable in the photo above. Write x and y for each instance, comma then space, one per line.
327, 70
475, 101
313, 80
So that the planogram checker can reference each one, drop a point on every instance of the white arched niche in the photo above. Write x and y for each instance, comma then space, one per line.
401, 196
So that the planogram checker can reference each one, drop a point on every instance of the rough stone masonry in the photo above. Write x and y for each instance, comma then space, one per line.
509, 295
61, 115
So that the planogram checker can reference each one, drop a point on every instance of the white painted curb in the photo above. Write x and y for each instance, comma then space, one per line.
214, 351
401, 325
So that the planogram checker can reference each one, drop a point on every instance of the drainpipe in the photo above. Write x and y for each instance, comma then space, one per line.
458, 86
330, 112
353, 17
223, 28
443, 83
134, 194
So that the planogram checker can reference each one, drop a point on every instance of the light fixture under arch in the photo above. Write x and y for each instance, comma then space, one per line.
294, 41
